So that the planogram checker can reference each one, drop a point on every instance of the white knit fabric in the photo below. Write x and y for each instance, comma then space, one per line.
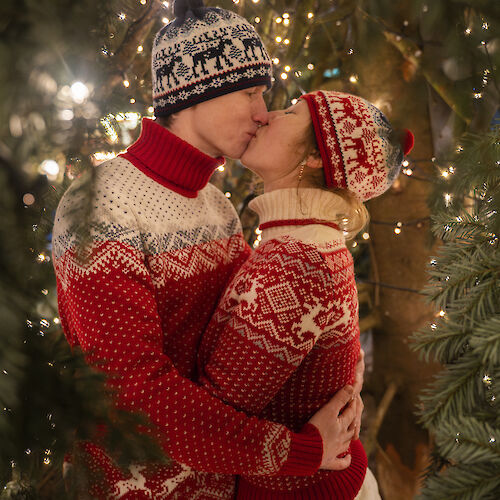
303, 203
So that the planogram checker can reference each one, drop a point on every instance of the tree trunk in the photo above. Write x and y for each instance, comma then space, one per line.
400, 260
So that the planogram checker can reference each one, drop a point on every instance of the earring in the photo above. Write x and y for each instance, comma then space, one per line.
301, 171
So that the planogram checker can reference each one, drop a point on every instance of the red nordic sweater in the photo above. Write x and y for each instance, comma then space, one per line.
164, 244
285, 336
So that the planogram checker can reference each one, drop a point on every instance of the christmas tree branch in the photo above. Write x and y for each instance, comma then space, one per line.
125, 56
450, 94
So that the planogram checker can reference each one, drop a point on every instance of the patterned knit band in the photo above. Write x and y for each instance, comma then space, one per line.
298, 222
356, 144
205, 53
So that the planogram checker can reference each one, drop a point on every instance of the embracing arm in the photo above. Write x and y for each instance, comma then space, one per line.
108, 306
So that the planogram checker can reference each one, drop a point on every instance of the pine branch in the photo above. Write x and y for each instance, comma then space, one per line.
445, 341
486, 340
460, 482
125, 55
454, 391
449, 92
468, 440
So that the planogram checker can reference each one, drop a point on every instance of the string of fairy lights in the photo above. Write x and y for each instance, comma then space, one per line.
118, 127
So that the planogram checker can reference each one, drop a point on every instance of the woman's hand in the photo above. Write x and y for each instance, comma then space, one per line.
336, 422
358, 385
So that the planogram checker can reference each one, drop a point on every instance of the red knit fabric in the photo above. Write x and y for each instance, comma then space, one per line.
298, 222
283, 341
169, 160
156, 266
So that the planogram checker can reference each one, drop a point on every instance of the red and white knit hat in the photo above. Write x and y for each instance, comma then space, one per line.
356, 144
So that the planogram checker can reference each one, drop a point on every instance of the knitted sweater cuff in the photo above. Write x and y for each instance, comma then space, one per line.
306, 453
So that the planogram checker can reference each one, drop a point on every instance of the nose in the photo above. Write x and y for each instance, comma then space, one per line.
260, 114
271, 115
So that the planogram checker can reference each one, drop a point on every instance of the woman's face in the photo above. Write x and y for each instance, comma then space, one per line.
276, 150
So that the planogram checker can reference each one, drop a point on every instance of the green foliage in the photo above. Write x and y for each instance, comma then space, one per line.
49, 397
460, 407
464, 482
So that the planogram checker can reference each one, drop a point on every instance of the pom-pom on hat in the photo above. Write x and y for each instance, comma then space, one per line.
203, 53
358, 146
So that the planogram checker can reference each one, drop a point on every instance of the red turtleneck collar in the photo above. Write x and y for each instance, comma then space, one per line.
171, 161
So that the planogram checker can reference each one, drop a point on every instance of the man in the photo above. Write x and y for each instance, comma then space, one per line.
164, 243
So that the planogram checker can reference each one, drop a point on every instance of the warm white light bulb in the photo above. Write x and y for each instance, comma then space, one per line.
79, 92
50, 168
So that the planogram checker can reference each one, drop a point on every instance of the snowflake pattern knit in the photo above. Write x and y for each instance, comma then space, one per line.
285, 336
164, 244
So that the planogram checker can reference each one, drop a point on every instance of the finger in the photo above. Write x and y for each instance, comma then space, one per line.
347, 442
341, 399
359, 372
356, 432
341, 463
349, 414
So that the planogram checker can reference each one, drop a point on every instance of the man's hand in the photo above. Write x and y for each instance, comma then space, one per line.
336, 423
359, 373
358, 385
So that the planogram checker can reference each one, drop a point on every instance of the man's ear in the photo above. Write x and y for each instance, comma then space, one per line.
314, 160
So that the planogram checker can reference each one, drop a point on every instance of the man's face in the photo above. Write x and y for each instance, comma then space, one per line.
224, 126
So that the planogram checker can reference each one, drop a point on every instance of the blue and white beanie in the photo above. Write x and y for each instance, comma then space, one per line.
205, 52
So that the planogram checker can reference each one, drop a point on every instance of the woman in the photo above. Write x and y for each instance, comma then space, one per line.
285, 336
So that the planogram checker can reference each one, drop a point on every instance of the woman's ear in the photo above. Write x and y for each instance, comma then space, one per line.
314, 160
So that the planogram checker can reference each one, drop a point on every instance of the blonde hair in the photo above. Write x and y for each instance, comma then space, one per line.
356, 217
